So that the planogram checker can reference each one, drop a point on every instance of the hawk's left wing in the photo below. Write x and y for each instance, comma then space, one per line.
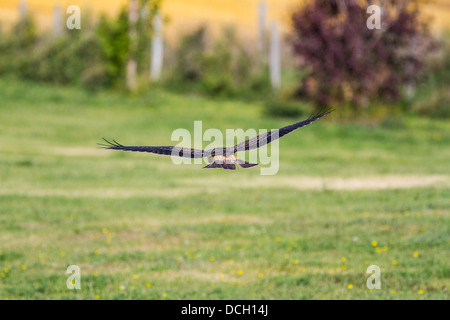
273, 135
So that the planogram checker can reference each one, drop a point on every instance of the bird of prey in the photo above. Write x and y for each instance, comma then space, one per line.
221, 157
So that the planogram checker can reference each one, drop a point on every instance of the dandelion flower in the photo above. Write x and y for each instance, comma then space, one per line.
374, 243
63, 254
344, 268
240, 272
415, 254
228, 248
105, 230
6, 270
394, 262
148, 285
164, 294
135, 276
420, 291
2, 275
295, 261
23, 267
222, 276
350, 286
393, 291
97, 296
343, 259
260, 275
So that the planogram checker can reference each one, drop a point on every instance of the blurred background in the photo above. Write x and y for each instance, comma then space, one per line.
368, 184
286, 50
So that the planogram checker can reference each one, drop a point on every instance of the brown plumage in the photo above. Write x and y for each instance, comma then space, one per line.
221, 157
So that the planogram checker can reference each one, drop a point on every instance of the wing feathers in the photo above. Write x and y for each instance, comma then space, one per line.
163, 150
249, 144
273, 135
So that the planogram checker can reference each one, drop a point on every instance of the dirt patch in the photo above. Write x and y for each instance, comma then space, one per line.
371, 183
208, 186
338, 183
101, 193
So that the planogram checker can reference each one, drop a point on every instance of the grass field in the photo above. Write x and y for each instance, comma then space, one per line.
140, 227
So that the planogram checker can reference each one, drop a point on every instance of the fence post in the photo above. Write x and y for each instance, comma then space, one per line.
22, 9
410, 85
157, 49
57, 20
132, 64
262, 14
274, 59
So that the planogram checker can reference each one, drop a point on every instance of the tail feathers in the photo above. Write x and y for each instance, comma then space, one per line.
230, 166
245, 164
215, 164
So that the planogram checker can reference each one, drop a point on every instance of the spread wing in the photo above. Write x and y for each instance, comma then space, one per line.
273, 135
169, 150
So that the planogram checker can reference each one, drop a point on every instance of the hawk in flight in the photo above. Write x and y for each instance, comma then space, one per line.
221, 157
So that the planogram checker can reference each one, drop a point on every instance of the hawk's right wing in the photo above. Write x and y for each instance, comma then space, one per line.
164, 150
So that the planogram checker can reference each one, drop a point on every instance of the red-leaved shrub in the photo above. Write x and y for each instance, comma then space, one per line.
347, 61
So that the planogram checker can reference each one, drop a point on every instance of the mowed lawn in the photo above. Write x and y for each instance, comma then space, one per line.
346, 196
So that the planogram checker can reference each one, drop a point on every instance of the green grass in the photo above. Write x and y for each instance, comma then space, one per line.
129, 219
